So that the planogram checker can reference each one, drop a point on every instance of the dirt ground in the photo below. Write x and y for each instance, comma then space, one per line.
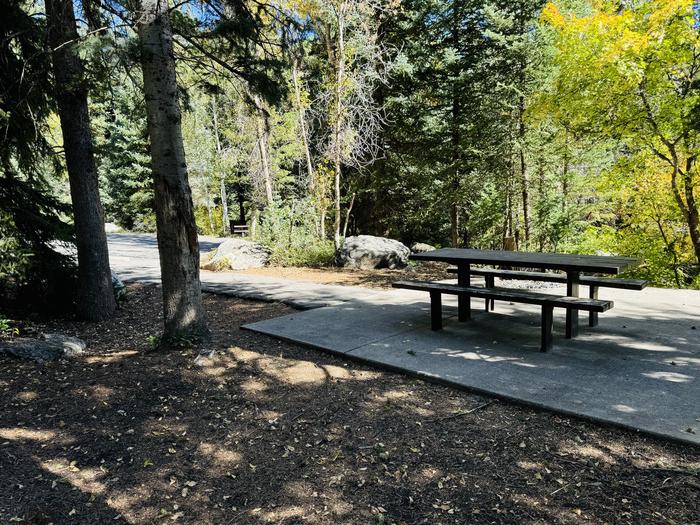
263, 431
381, 278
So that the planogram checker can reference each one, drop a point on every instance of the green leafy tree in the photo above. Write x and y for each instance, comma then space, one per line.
629, 72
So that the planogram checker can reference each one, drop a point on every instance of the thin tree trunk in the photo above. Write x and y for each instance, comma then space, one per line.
340, 78
336, 185
255, 218
241, 205
302, 128
222, 176
455, 136
347, 214
263, 131
94, 295
522, 131
178, 245
689, 208
523, 172
565, 174
207, 201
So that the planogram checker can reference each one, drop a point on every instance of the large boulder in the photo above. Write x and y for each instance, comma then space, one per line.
237, 254
367, 252
49, 348
421, 247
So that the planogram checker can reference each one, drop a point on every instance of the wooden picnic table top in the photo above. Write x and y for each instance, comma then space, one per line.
546, 261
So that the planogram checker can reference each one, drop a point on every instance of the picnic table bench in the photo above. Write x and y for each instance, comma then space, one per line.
573, 267
593, 282
547, 301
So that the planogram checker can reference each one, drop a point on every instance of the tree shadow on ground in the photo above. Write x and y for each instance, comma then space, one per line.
264, 431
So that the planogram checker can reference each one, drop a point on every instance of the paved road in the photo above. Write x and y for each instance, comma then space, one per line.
135, 257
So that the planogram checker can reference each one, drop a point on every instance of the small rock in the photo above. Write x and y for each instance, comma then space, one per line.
421, 247
71, 346
119, 288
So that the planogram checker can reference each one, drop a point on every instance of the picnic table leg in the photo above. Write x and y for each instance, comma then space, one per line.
435, 311
464, 303
593, 316
489, 304
572, 285
547, 322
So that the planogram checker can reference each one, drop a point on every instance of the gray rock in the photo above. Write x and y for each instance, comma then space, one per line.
49, 348
237, 254
119, 288
110, 227
420, 247
368, 252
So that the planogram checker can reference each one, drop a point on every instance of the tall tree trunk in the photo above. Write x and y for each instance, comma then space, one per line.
302, 127
178, 246
524, 181
455, 134
222, 176
522, 80
95, 294
340, 78
314, 188
263, 131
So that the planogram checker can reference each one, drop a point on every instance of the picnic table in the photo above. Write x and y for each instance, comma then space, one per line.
572, 265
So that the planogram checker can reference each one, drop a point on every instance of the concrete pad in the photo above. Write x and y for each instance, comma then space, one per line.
640, 368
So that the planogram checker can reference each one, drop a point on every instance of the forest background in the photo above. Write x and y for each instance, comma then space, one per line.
567, 126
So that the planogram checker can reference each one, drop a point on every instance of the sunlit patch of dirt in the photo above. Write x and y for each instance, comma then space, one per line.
379, 278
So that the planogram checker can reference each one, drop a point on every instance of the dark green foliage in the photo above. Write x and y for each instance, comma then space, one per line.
123, 158
33, 274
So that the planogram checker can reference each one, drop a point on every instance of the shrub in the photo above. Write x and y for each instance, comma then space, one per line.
204, 227
288, 229
34, 274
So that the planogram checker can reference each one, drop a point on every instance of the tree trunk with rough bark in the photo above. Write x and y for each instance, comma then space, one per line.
178, 245
94, 295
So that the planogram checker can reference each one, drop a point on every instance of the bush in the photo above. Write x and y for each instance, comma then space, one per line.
659, 265
204, 227
288, 229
